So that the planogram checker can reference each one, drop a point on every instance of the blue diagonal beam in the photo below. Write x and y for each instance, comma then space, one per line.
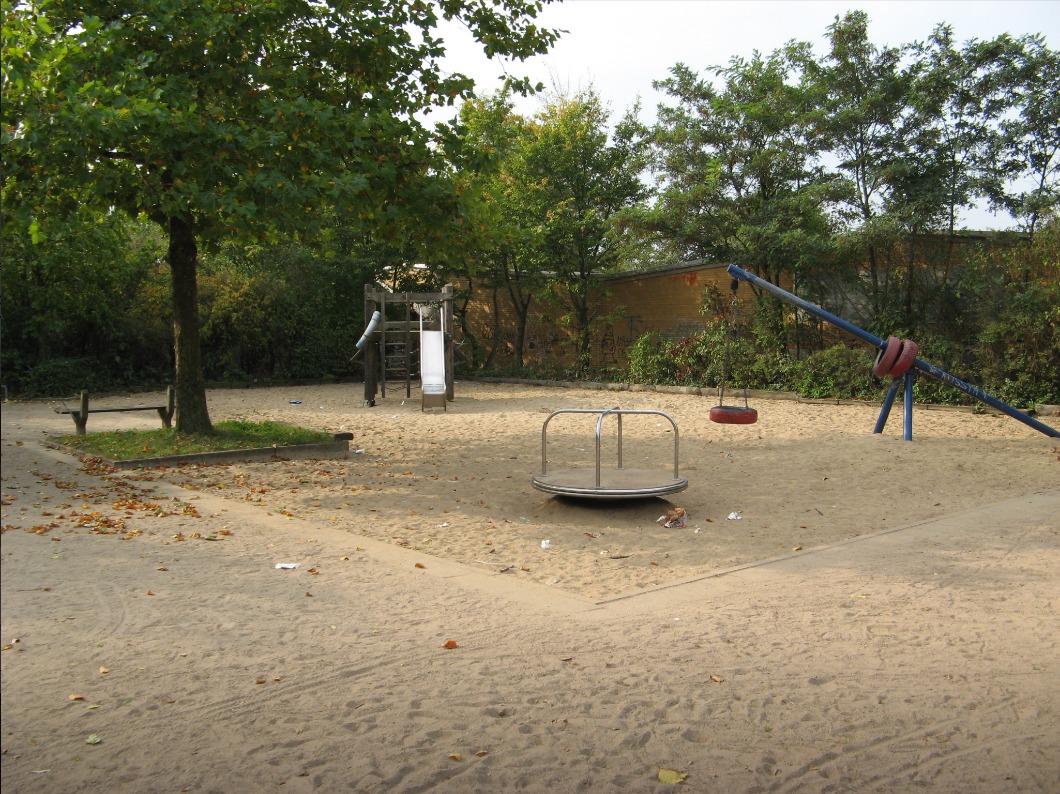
875, 341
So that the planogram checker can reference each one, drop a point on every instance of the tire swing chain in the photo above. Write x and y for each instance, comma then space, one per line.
732, 414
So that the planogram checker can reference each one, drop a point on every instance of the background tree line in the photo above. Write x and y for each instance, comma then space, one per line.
847, 171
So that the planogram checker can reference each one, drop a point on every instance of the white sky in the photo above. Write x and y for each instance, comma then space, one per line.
621, 46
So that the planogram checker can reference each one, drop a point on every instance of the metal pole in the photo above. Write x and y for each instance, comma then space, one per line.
875, 341
908, 378
888, 402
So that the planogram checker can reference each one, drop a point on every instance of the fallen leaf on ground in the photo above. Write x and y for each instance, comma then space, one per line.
671, 776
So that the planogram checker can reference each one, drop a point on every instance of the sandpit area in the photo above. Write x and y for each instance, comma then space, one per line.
457, 484
841, 611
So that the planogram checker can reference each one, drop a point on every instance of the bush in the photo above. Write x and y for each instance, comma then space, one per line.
63, 377
648, 360
839, 372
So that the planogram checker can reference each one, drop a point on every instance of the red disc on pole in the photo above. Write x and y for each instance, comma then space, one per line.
906, 359
887, 356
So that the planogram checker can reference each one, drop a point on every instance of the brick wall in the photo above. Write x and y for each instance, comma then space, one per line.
668, 301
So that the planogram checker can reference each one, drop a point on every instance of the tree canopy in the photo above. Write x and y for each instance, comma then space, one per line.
225, 118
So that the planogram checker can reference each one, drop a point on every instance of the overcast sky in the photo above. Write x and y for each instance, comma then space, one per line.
621, 46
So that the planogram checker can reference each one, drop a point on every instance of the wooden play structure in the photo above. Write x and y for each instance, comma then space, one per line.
409, 340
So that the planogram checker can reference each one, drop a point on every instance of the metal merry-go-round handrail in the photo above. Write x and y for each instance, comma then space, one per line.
603, 413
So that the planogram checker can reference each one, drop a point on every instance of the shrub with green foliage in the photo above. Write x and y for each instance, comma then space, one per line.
279, 313
647, 360
75, 313
838, 372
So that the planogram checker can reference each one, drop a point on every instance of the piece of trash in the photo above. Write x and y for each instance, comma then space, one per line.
443, 524
358, 452
546, 544
675, 517
287, 566
294, 402
734, 516
93, 739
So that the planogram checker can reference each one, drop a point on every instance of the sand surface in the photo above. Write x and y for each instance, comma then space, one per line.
841, 611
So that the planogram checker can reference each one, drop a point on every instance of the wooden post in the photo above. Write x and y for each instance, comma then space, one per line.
81, 417
167, 412
447, 335
371, 348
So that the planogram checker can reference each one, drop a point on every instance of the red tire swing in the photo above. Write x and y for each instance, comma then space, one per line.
732, 414
895, 358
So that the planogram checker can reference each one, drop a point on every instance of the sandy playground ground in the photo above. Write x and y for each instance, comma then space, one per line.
841, 611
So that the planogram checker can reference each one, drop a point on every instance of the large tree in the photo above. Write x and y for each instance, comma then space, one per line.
575, 177
220, 118
1027, 147
501, 243
738, 164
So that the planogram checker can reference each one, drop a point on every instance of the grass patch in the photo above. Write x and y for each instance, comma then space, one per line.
134, 444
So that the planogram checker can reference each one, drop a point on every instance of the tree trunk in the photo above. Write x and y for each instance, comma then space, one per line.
190, 387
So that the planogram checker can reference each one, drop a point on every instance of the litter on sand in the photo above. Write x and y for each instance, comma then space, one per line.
734, 516
675, 517
286, 566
